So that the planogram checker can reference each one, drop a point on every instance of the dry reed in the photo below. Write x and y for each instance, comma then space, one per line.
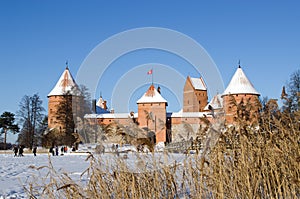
245, 162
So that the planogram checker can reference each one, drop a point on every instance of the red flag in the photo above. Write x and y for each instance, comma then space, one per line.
149, 72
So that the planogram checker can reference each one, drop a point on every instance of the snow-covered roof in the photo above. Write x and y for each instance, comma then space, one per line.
240, 84
110, 115
151, 96
65, 83
216, 103
198, 83
127, 115
188, 114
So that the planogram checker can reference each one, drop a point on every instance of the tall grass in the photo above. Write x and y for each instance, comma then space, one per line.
245, 162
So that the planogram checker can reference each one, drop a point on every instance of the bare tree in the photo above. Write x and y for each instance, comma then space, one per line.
31, 116
81, 105
292, 96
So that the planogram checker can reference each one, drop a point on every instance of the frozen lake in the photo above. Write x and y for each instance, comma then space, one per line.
17, 172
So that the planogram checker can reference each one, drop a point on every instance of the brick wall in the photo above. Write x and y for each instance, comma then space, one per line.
193, 100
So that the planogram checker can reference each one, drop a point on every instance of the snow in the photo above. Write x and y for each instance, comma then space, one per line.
17, 172
109, 115
198, 83
240, 84
182, 114
151, 96
126, 148
65, 83
215, 103
159, 147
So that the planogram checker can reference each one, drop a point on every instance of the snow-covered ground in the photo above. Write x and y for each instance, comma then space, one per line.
17, 172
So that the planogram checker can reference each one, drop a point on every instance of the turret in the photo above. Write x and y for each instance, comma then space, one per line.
65, 84
239, 89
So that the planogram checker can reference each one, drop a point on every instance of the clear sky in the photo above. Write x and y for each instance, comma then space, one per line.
37, 37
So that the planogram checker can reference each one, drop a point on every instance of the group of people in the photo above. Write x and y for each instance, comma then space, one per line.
19, 150
54, 150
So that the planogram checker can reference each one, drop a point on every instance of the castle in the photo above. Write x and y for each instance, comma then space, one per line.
152, 115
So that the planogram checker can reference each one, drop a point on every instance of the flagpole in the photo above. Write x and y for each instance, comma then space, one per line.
152, 75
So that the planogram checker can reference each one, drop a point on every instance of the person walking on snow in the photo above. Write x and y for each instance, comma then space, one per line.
34, 150
51, 150
21, 151
56, 150
16, 150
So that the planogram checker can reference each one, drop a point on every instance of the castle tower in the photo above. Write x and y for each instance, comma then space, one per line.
64, 84
152, 113
239, 88
194, 95
101, 106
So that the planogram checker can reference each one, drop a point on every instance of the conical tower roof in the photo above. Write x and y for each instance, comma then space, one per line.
240, 84
151, 96
65, 83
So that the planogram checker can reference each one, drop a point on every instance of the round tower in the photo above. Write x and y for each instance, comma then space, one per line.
240, 89
64, 85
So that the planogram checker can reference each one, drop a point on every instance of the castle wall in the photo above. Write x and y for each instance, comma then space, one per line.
53, 103
231, 109
185, 128
106, 121
183, 131
153, 117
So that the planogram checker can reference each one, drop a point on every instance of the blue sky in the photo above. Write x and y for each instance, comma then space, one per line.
37, 37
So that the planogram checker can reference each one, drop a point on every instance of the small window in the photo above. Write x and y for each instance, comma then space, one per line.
199, 102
